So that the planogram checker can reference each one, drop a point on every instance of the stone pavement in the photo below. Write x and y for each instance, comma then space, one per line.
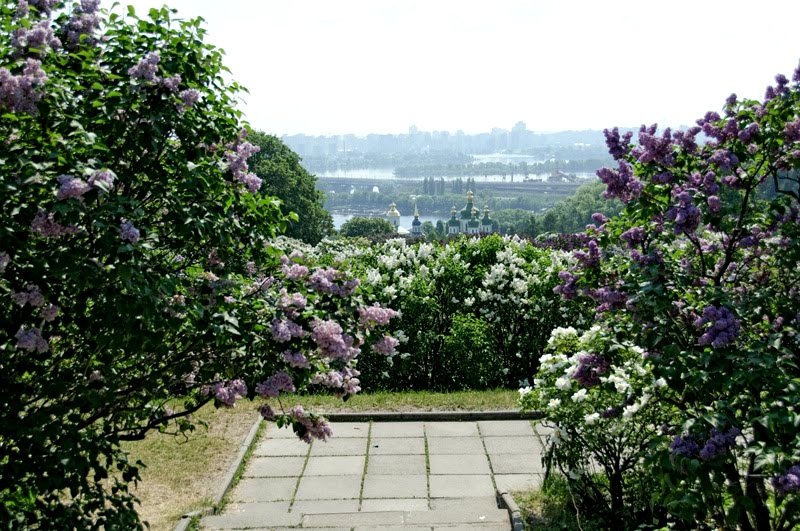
385, 475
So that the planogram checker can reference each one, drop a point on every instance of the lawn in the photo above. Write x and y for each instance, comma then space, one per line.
182, 474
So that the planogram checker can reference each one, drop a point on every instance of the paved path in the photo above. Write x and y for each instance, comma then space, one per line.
385, 475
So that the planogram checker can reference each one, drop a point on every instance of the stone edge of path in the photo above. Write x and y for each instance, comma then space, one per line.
226, 481
375, 416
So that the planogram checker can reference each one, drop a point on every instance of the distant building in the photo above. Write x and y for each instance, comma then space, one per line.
468, 221
416, 225
393, 215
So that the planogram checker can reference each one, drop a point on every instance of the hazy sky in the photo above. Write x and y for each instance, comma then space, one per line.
379, 66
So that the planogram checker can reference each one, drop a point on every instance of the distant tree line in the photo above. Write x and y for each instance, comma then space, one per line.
432, 186
523, 169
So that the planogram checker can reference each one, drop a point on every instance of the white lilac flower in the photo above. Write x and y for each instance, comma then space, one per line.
469, 301
591, 418
661, 382
554, 403
373, 277
524, 391
563, 383
580, 395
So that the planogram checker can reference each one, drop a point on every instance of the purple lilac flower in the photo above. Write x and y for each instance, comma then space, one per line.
792, 131
70, 187
345, 380
610, 413
295, 271
724, 326
663, 177
171, 83
228, 392
146, 68
331, 340
32, 296
188, 98
45, 6
309, 427
4, 261
590, 368
325, 281
568, 289
387, 345
283, 330
708, 183
21, 93
128, 233
685, 214
267, 413
708, 125
609, 299
684, 446
375, 315
82, 24
31, 340
788, 482
796, 75
36, 39
718, 443
714, 204
617, 146
724, 158
44, 225
272, 386
250, 268
654, 149
633, 236
620, 183
102, 179
237, 163
591, 257
599, 218
296, 359
747, 134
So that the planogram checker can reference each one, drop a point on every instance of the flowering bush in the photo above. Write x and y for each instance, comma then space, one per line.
700, 270
135, 268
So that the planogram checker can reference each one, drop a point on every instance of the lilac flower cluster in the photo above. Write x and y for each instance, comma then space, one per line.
294, 271
188, 98
686, 139
71, 187
724, 158
633, 236
724, 326
332, 341
36, 39
718, 443
621, 183
45, 225
609, 299
102, 180
591, 257
375, 315
32, 296
749, 133
272, 386
291, 304
684, 446
296, 359
792, 131
128, 233
5, 259
171, 83
21, 93
50, 312
45, 6
83, 23
654, 149
685, 214
346, 380
146, 68
617, 146
309, 427
569, 288
237, 163
325, 281
788, 482
387, 345
590, 368
227, 392
31, 340
283, 330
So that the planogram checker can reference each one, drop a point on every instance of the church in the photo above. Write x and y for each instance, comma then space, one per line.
468, 222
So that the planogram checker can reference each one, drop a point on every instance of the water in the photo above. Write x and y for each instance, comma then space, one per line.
405, 221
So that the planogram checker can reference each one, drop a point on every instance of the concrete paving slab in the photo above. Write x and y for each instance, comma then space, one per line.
329, 488
459, 464
350, 429
354, 519
510, 482
272, 431
511, 445
281, 446
325, 506
390, 527
516, 464
505, 427
458, 516
338, 465
481, 504
274, 467
391, 486
344, 446
249, 515
455, 445
461, 486
451, 429
397, 429
394, 504
397, 446
264, 490
396, 464
482, 527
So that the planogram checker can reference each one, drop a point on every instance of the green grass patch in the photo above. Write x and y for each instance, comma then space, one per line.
553, 509
490, 400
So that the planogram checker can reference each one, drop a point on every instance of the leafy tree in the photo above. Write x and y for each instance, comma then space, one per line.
360, 226
284, 177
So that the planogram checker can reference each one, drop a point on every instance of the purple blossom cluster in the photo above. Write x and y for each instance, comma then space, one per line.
45, 225
326, 281
50, 312
788, 482
685, 214
146, 68
283, 330
32, 296
296, 359
294, 271
31, 340
128, 233
387, 345
237, 163
375, 315
309, 427
590, 257
45, 6
331, 340
590, 368
618, 146
724, 326
346, 380
189, 98
227, 392
5, 259
748, 134
609, 299
686, 139
724, 158
654, 149
20, 93
633, 236
718, 443
82, 24
621, 183
684, 446
102, 180
171, 83
275, 384
291, 304
569, 288
71, 187
792, 131
36, 39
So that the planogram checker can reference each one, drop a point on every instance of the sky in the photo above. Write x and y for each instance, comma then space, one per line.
327, 67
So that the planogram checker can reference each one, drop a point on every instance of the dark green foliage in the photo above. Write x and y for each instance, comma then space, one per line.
357, 226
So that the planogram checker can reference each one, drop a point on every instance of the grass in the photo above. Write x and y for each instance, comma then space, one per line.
183, 474
552, 509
